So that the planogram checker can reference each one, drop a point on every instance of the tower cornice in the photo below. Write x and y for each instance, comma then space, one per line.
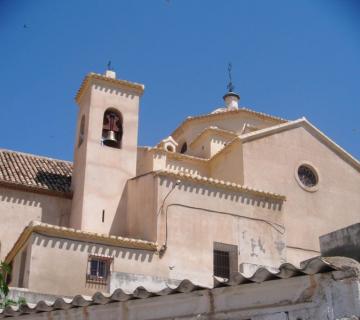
138, 88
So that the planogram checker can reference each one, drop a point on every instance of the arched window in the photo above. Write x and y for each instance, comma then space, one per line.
81, 131
183, 148
112, 129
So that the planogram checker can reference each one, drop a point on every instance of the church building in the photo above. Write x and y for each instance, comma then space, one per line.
225, 193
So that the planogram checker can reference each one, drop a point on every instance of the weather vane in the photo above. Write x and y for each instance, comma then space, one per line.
109, 67
230, 86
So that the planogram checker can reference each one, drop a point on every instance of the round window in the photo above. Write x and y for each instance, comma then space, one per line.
307, 176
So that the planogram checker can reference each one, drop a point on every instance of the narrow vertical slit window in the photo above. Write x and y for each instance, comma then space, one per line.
81, 131
103, 216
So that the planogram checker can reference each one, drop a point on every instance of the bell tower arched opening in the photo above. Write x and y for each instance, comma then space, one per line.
112, 131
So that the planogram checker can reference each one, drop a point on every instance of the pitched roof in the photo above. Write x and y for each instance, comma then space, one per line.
39, 174
309, 267
302, 122
227, 113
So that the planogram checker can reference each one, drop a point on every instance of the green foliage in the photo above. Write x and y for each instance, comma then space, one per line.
5, 270
21, 301
4, 289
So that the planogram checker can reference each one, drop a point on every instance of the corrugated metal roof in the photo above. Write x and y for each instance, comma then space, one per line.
287, 270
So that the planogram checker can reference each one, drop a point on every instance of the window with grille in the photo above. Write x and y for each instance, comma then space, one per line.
221, 263
98, 269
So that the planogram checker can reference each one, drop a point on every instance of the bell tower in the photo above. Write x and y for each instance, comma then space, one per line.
105, 150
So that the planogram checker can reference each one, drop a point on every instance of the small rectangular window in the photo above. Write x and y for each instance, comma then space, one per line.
225, 259
221, 264
98, 269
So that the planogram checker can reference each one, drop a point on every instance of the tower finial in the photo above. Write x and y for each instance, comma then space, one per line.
109, 67
230, 85
231, 98
110, 73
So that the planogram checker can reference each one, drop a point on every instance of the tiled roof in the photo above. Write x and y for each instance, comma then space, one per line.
309, 267
34, 172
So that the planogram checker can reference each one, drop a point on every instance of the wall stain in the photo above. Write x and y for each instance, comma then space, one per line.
308, 293
212, 305
253, 246
280, 246
261, 246
85, 313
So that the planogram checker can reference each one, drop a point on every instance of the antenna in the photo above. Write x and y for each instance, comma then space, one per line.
230, 85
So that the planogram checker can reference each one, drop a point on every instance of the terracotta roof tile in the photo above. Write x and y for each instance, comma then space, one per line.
35, 172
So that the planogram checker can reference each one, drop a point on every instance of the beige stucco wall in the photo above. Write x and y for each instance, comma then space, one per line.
188, 218
153, 160
101, 172
185, 219
18, 208
209, 144
144, 161
228, 165
140, 217
199, 215
270, 163
59, 266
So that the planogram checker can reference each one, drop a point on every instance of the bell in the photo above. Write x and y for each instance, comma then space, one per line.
110, 139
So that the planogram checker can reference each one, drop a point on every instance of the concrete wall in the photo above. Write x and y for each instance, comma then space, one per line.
18, 208
270, 163
321, 296
344, 242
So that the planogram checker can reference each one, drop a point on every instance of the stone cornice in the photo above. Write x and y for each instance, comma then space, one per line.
177, 155
220, 184
136, 87
35, 189
74, 234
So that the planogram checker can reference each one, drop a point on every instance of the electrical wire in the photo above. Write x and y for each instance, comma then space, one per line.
278, 227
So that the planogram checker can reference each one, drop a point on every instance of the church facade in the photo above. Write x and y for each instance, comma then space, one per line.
225, 192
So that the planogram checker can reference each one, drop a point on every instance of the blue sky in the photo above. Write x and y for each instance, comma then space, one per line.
290, 59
